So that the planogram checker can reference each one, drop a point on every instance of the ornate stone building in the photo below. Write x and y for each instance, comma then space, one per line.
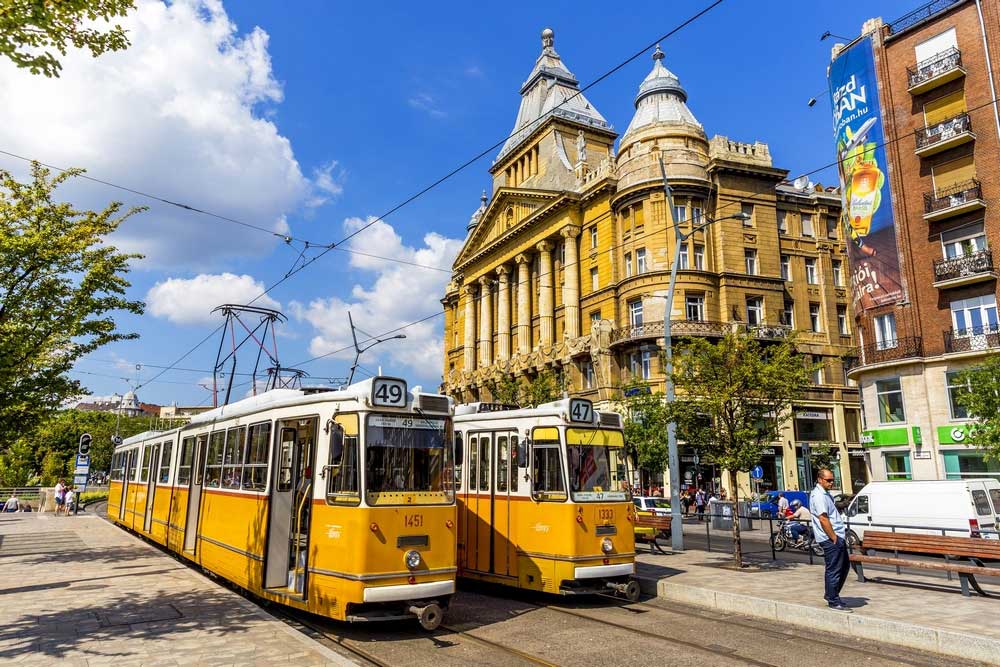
566, 265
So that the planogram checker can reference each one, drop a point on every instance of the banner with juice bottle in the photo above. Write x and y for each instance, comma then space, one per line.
867, 211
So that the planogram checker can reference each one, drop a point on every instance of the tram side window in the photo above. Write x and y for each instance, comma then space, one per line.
343, 474
514, 471
255, 467
213, 460
168, 449
547, 471
147, 455
232, 471
184, 461
473, 457
502, 461
285, 455
460, 456
484, 464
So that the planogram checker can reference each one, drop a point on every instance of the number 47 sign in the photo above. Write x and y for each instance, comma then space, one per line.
581, 410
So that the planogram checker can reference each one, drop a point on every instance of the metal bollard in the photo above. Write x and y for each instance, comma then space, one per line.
770, 528
708, 534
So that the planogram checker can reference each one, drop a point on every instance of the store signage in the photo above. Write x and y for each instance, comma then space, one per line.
812, 414
885, 437
962, 434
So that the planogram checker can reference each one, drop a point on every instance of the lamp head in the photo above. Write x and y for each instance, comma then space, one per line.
812, 101
824, 35
742, 216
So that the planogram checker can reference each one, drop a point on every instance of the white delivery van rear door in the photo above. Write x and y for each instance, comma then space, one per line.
984, 511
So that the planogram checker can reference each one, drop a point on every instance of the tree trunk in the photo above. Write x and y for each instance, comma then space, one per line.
737, 543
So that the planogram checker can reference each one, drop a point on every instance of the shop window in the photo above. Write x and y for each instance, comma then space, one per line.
897, 466
971, 465
890, 401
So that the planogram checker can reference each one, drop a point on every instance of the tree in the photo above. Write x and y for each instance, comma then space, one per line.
29, 27
61, 433
542, 388
18, 466
53, 468
646, 419
506, 390
981, 400
60, 282
734, 397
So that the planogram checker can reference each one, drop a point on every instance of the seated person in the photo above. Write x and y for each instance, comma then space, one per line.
799, 520
12, 504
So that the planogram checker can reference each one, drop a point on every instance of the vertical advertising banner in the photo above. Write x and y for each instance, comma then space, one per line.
867, 213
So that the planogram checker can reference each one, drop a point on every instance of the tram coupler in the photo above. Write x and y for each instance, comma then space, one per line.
430, 616
627, 589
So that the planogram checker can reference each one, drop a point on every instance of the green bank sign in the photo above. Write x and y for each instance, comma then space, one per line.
885, 437
962, 434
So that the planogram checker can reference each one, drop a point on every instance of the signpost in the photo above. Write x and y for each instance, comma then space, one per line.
757, 472
81, 473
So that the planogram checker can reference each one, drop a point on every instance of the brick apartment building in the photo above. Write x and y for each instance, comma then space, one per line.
923, 226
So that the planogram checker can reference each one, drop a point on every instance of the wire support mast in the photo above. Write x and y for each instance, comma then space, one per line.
237, 314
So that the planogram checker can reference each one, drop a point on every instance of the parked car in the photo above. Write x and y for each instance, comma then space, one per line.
965, 508
653, 504
768, 505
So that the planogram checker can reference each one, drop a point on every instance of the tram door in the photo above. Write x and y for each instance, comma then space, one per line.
194, 495
505, 482
154, 470
291, 505
126, 478
479, 505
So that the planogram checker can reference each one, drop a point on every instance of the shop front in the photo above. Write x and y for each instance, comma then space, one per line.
859, 467
961, 458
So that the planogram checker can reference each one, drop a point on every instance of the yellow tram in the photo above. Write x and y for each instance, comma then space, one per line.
543, 499
340, 503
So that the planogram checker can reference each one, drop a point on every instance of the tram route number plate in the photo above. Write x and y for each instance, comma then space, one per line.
581, 410
413, 520
389, 392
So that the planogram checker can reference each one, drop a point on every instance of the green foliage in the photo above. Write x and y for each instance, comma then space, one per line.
62, 431
982, 400
507, 390
59, 283
822, 456
88, 497
53, 467
29, 27
542, 388
18, 465
646, 418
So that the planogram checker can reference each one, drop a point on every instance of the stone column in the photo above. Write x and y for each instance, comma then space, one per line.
485, 322
469, 335
546, 326
571, 283
523, 304
503, 314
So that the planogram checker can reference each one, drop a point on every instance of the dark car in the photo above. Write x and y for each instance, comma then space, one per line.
842, 500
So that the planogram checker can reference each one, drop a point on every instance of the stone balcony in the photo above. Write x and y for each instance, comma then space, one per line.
935, 71
965, 270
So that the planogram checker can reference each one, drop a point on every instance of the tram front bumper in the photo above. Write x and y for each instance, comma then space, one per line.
604, 571
429, 589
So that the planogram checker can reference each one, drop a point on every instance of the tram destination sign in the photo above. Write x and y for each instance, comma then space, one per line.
406, 422
388, 392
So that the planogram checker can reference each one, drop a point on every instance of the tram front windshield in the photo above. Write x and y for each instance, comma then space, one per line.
598, 469
407, 454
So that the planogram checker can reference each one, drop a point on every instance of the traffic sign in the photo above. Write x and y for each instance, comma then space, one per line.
757, 472
82, 460
85, 441
80, 481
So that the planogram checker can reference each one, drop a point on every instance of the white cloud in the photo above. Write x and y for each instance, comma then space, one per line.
427, 103
397, 294
190, 301
327, 184
182, 113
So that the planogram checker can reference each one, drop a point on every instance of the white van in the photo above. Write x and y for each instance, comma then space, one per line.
965, 507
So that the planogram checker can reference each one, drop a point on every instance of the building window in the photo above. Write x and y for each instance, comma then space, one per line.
594, 280
699, 257
593, 237
747, 211
885, 331
680, 213
786, 267
682, 257
811, 274
694, 307
814, 318
842, 320
640, 364
587, 372
838, 273
852, 425
897, 466
807, 225
755, 310
964, 241
696, 214
595, 317
750, 260
831, 227
788, 314
962, 465
955, 389
640, 260
628, 264
635, 313
782, 222
975, 316
890, 401
816, 369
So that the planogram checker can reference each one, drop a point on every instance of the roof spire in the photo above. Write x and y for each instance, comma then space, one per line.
548, 39
483, 199
657, 54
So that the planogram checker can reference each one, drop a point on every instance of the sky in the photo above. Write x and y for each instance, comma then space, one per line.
311, 119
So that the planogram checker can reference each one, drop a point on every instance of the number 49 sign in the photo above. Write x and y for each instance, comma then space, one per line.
389, 392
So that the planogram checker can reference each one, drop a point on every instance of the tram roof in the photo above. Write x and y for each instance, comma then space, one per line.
145, 435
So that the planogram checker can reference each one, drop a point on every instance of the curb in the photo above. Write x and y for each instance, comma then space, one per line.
971, 647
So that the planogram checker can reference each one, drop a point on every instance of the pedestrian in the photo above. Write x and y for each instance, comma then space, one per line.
60, 494
829, 529
685, 501
12, 504
699, 503
70, 500
782, 506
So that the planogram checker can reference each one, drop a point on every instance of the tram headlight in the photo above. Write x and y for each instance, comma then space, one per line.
606, 545
412, 559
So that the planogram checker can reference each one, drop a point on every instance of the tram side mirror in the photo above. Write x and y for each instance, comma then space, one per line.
459, 450
522, 454
336, 448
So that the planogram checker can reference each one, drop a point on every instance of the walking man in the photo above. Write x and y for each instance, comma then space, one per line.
828, 527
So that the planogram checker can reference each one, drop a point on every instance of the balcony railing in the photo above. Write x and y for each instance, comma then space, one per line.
919, 14
944, 135
935, 69
677, 328
986, 337
956, 199
967, 266
769, 331
891, 350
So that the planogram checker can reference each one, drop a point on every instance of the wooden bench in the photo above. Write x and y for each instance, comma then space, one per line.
972, 549
649, 527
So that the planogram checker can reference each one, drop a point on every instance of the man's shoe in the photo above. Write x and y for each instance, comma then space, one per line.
839, 606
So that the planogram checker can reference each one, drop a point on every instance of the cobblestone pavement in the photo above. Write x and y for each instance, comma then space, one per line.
80, 591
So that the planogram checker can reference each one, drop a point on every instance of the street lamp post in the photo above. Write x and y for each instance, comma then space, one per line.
673, 460
358, 349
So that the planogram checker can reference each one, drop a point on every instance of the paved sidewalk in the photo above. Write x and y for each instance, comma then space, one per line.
909, 609
80, 591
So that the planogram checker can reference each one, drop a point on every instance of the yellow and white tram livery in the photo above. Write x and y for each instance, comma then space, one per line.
340, 503
543, 499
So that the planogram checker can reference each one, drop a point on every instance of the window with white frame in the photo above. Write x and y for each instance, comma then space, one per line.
640, 260
747, 211
647, 364
812, 276
890, 401
635, 313
628, 264
838, 272
807, 225
831, 227
816, 369
699, 257
593, 237
755, 310
788, 314
842, 320
682, 257
786, 267
956, 387
696, 214
975, 316
640, 364
814, 317
963, 241
595, 280
750, 261
680, 213
694, 307
595, 317
782, 222
885, 331
587, 373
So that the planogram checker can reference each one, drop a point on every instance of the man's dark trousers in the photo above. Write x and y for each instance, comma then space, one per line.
837, 565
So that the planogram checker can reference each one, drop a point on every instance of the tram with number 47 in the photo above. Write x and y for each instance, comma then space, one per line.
543, 498
336, 502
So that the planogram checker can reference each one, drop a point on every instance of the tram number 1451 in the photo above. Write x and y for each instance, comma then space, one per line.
413, 520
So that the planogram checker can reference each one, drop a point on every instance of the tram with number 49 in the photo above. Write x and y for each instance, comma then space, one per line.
543, 498
336, 502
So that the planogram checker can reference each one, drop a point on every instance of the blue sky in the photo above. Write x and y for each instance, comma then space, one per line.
313, 116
